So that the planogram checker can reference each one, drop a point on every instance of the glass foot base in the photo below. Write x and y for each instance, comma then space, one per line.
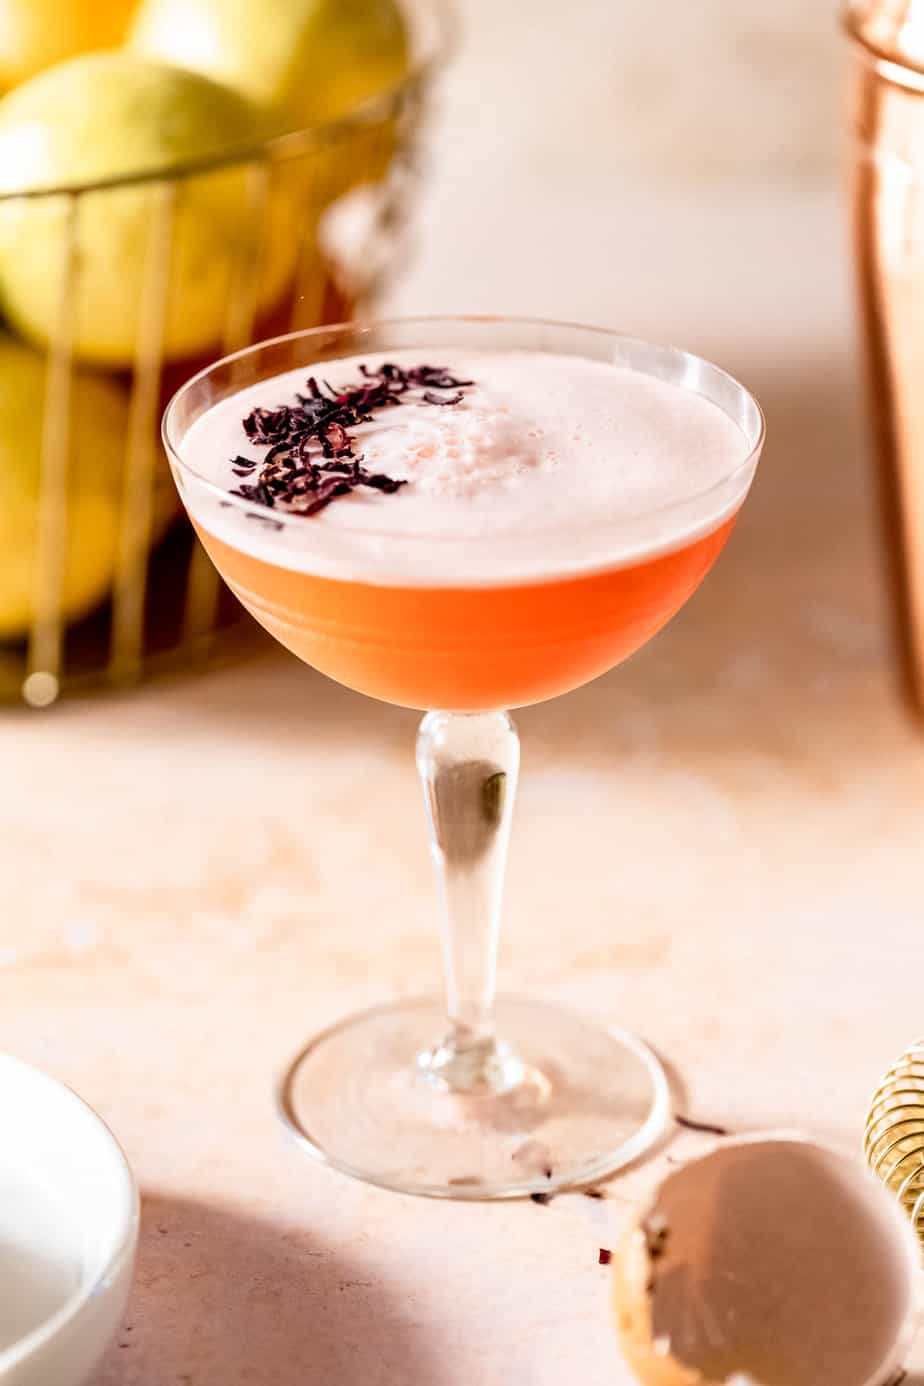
361, 1097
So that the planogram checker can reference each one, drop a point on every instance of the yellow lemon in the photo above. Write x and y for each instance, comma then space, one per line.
172, 249
96, 431
306, 62
314, 60
36, 33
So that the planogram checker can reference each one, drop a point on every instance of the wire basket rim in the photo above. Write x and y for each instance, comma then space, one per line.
373, 110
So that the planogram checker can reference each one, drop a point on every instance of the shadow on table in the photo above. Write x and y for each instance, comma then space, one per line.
221, 1299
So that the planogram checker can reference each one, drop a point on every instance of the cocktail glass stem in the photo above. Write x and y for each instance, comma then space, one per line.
469, 765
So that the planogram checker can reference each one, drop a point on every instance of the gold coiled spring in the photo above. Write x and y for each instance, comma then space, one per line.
894, 1139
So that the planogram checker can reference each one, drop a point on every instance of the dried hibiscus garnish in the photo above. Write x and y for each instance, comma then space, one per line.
311, 460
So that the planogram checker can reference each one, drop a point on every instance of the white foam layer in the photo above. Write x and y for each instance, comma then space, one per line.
550, 465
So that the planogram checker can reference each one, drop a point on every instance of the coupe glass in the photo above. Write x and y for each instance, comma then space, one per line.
469, 1098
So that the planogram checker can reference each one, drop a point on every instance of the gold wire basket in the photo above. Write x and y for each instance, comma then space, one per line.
894, 1139
161, 604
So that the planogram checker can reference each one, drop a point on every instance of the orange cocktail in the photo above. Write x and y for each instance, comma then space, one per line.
467, 648
464, 516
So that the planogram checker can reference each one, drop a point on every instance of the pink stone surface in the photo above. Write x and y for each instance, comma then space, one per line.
718, 845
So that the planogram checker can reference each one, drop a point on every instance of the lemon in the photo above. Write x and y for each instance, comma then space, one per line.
96, 431
36, 33
304, 62
109, 115
313, 60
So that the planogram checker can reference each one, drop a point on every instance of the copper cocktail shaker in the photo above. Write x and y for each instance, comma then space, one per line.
888, 225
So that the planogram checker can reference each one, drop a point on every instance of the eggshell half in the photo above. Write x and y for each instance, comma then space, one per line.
771, 1261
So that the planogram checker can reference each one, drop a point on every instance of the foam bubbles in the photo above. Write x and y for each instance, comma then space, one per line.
456, 450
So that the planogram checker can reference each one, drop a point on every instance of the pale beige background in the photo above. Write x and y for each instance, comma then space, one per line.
196, 876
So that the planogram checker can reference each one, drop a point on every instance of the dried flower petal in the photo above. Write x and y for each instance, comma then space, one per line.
303, 482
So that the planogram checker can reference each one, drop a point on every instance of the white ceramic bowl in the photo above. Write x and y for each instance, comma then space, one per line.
68, 1231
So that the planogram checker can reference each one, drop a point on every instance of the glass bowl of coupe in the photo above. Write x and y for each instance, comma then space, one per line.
196, 189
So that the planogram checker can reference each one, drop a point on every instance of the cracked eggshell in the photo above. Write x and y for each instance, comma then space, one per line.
769, 1261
